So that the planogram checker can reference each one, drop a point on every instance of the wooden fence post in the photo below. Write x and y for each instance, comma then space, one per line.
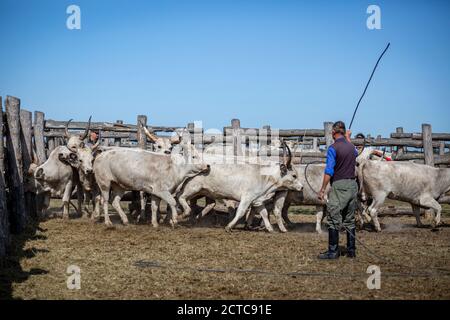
400, 149
26, 124
39, 136
237, 143
328, 127
141, 137
15, 165
51, 145
118, 141
427, 144
4, 219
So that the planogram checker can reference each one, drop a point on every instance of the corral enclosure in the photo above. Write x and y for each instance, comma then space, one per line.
54, 244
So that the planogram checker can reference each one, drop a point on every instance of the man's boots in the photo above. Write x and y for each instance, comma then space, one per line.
333, 245
351, 247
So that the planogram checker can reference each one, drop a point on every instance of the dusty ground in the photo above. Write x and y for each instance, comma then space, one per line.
140, 262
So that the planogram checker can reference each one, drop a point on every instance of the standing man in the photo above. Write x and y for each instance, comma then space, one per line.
341, 205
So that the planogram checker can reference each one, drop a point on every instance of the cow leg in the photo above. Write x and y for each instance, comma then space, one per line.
210, 204
278, 205
97, 203
264, 215
143, 200
155, 208
182, 199
428, 201
118, 194
104, 190
167, 197
416, 211
378, 200
285, 213
66, 199
80, 199
189, 191
319, 218
241, 210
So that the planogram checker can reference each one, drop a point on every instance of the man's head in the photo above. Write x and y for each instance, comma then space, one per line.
93, 136
338, 129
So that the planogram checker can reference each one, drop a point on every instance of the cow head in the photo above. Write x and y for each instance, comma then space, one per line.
60, 154
162, 145
288, 174
75, 141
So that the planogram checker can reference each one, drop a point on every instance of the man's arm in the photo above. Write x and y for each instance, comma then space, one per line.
329, 171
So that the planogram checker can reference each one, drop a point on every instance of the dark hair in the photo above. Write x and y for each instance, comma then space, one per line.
339, 127
360, 136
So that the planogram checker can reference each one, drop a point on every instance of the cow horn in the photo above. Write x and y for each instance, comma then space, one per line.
288, 164
150, 135
175, 139
287, 161
85, 134
66, 129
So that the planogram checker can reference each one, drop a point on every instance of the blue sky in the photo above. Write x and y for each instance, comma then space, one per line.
290, 64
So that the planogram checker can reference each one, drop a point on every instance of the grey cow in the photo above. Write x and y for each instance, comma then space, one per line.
57, 176
250, 184
121, 169
418, 184
308, 196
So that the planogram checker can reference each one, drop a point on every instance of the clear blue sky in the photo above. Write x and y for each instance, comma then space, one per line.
290, 64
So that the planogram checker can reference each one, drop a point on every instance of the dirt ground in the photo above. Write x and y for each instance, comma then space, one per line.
203, 261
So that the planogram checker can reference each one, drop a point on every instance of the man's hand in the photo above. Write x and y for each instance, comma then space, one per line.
321, 195
348, 135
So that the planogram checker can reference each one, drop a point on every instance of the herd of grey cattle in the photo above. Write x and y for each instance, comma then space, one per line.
177, 174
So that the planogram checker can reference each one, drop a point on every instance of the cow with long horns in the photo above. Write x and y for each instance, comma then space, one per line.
249, 184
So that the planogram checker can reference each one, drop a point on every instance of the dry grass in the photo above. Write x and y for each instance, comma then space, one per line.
107, 258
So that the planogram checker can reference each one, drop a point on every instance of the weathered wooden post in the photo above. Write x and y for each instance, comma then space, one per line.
15, 165
51, 145
427, 144
26, 120
39, 136
442, 152
141, 137
328, 128
4, 219
142, 143
428, 154
315, 144
236, 132
117, 140
400, 149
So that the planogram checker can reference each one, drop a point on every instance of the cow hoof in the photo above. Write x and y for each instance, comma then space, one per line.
155, 225
228, 229
109, 225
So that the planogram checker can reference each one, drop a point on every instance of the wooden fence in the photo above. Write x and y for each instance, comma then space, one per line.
21, 133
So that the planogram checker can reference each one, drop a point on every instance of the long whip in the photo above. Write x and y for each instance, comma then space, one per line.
367, 85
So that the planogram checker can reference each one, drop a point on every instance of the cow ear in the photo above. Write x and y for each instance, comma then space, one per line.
283, 169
